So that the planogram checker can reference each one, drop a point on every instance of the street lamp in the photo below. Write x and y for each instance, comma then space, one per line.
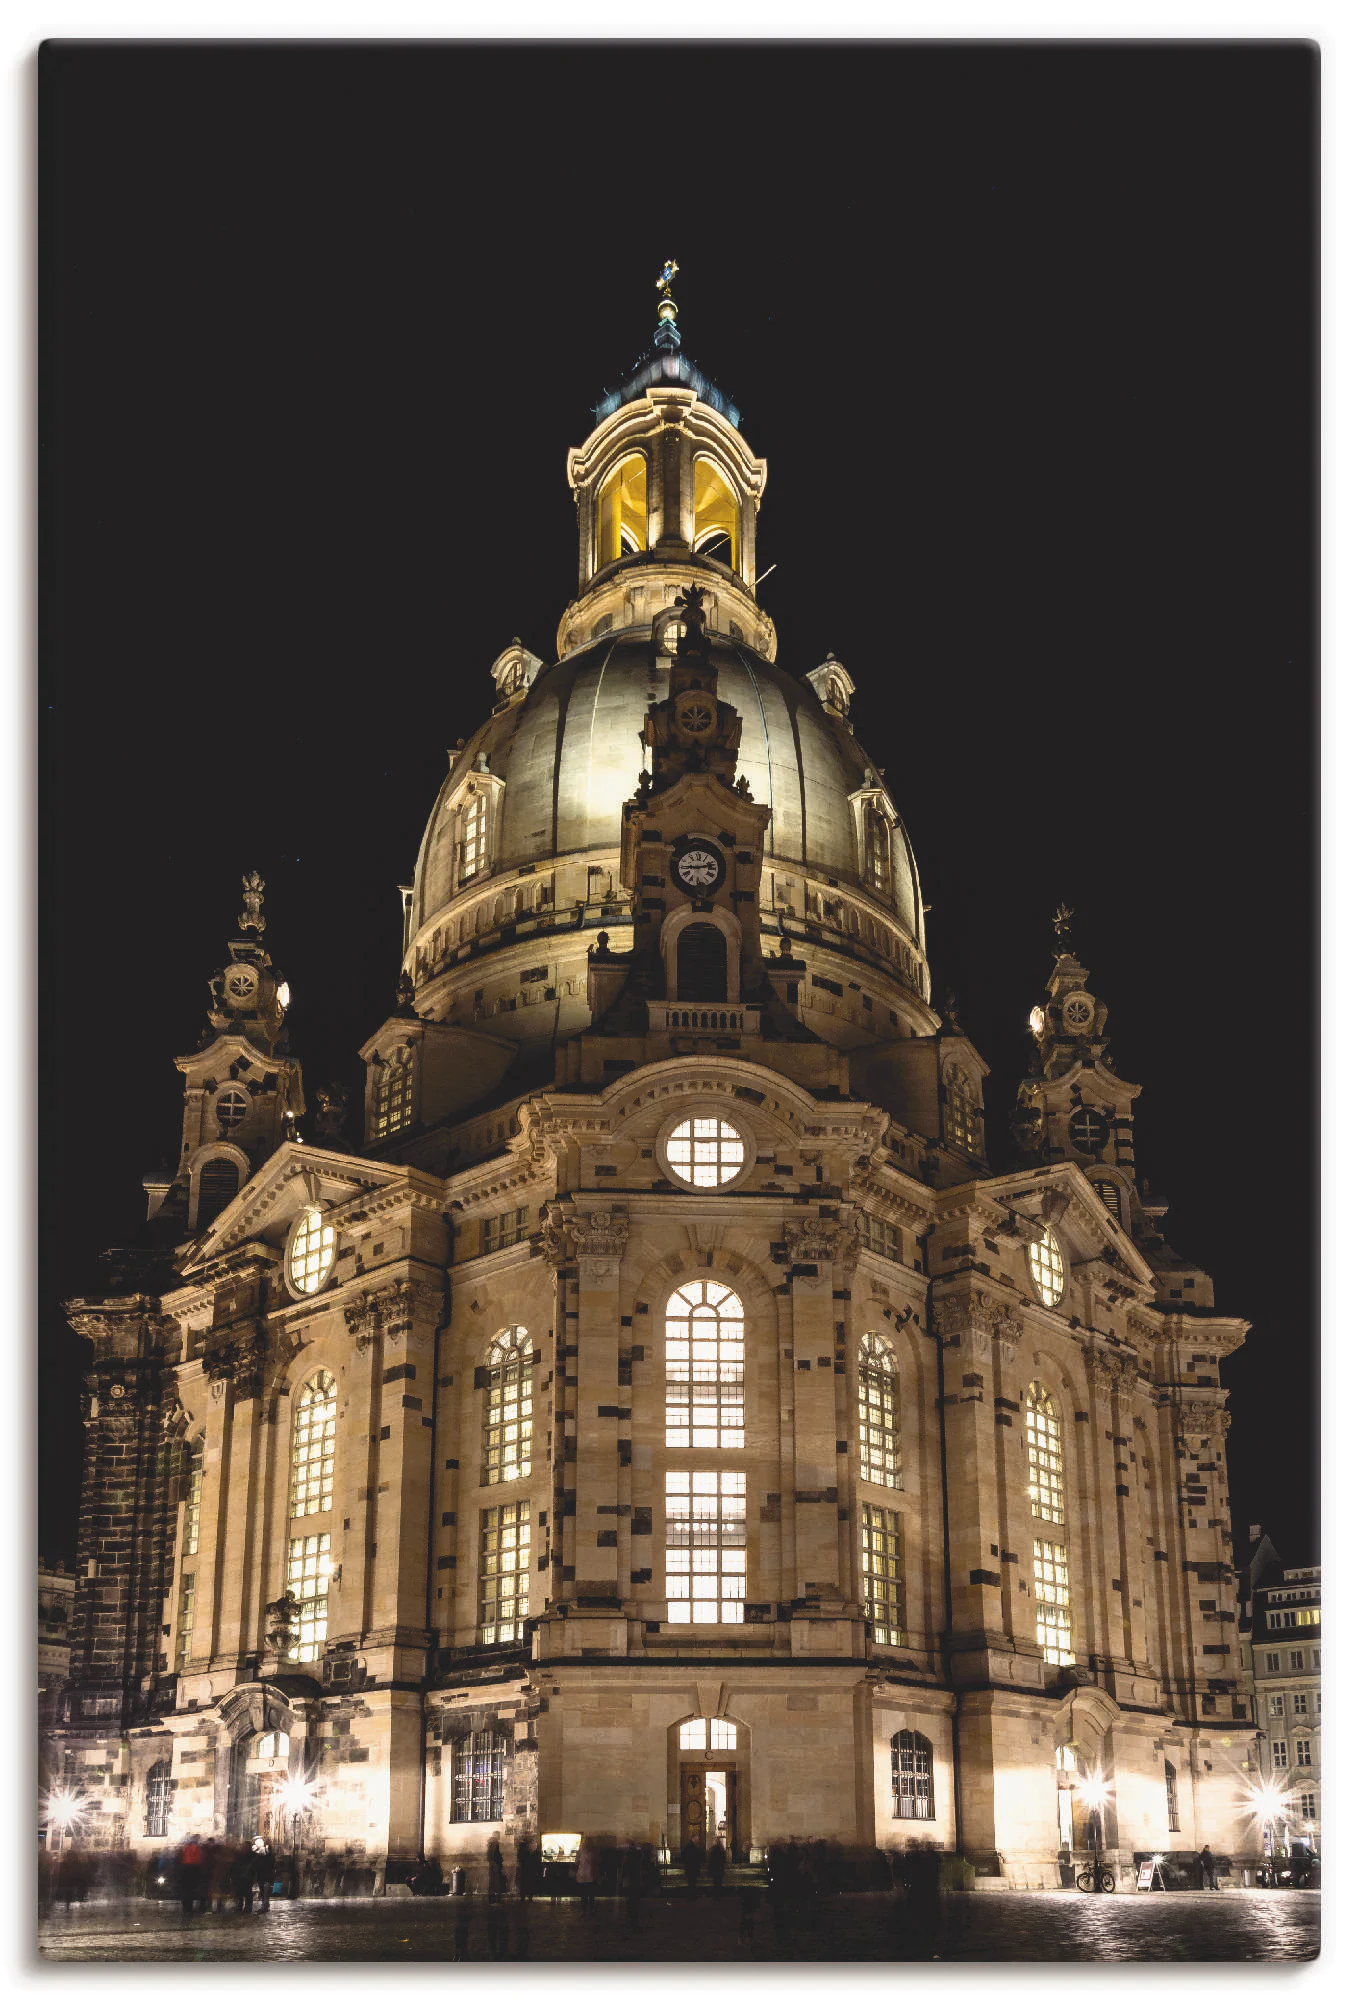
298, 1794
1093, 1791
65, 1810
1267, 1800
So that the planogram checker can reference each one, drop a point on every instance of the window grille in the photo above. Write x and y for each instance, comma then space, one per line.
395, 1105
508, 1424
705, 1391
479, 1776
309, 1582
880, 1549
912, 1775
1043, 1441
1052, 1593
705, 1547
879, 1416
314, 1447
1108, 1194
159, 1793
705, 1152
505, 1536
1047, 1268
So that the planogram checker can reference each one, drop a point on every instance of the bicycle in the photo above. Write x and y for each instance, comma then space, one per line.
1095, 1879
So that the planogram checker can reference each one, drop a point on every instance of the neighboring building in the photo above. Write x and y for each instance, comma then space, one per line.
1281, 1653
56, 1597
667, 1421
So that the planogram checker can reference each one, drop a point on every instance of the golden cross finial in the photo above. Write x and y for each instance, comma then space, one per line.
1061, 923
669, 270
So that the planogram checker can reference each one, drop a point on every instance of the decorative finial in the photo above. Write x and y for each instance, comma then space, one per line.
667, 333
1061, 927
253, 887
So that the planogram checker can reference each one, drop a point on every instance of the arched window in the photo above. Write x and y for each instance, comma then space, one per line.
717, 516
879, 1452
877, 851
314, 1446
507, 1429
395, 1106
620, 511
1172, 1798
1047, 1268
705, 1391
472, 847
159, 1793
1043, 1440
217, 1185
961, 1127
912, 1775
311, 1252
700, 963
479, 1775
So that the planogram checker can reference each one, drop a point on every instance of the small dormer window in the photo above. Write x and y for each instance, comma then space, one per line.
620, 511
717, 514
474, 837
877, 851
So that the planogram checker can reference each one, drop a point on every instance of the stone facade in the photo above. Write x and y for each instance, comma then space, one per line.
980, 1557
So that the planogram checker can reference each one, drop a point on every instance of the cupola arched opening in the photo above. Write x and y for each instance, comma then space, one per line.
717, 514
620, 510
700, 963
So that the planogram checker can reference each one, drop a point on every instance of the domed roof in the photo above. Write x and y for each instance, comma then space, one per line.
569, 752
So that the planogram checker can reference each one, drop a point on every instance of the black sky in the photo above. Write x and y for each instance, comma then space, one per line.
1028, 337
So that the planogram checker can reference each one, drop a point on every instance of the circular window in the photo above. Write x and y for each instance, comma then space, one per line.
704, 1152
230, 1109
1047, 1268
1089, 1129
311, 1252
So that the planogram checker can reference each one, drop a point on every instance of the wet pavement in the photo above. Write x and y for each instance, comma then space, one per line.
1058, 1925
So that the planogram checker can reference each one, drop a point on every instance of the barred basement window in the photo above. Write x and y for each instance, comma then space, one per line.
705, 1548
499, 1230
875, 1234
473, 856
314, 1447
912, 1775
479, 1776
879, 1452
961, 1127
705, 1152
1052, 1593
880, 1547
309, 1582
1047, 1268
505, 1536
395, 1106
184, 1623
705, 1327
1172, 1799
508, 1425
159, 1793
1043, 1438
193, 1498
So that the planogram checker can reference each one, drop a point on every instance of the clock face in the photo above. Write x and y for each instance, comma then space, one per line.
698, 868
694, 714
1078, 1010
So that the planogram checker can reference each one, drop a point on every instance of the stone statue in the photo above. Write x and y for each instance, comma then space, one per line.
251, 916
405, 994
283, 1615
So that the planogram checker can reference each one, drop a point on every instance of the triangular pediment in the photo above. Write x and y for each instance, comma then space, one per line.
1083, 1215
296, 1177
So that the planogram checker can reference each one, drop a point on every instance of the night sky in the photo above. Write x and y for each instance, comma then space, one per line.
1028, 338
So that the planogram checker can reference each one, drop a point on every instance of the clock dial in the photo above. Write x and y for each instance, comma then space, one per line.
698, 868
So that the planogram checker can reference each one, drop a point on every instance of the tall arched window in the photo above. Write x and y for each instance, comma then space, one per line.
1043, 1440
479, 1775
912, 1775
877, 851
700, 963
472, 848
961, 1128
1172, 1798
507, 1428
879, 1452
705, 1353
717, 516
314, 1446
217, 1185
1047, 1501
620, 510
395, 1106
1047, 1268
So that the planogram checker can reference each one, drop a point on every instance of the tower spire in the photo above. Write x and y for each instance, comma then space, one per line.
667, 333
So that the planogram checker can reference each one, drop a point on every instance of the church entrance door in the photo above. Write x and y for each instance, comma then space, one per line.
708, 1804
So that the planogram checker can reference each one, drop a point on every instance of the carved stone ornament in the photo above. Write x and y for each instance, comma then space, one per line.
982, 1321
595, 1239
239, 1355
1203, 1419
395, 1309
1106, 1370
820, 1239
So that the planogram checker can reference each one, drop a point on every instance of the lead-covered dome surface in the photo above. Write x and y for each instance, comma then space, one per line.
569, 753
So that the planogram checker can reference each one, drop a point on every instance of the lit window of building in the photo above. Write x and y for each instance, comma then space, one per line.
882, 1237
505, 1536
879, 1412
193, 1498
313, 1467
705, 1367
696, 1734
880, 1554
1047, 1268
499, 1231
309, 1582
312, 1252
705, 1548
473, 855
1052, 1594
912, 1775
507, 1428
479, 1775
1043, 1440
184, 1623
705, 1152
394, 1108
961, 1126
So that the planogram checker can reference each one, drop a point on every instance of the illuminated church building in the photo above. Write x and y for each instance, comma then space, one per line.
664, 1421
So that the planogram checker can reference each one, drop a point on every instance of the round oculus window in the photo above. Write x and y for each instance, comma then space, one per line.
311, 1252
1047, 1268
1089, 1129
1078, 1010
230, 1109
704, 1152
